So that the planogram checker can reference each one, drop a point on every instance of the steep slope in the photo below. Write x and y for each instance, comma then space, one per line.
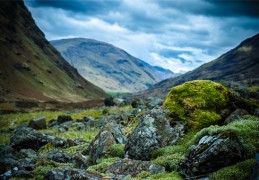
30, 68
238, 67
161, 73
113, 68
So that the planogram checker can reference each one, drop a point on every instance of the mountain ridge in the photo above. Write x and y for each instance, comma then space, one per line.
236, 68
113, 68
31, 68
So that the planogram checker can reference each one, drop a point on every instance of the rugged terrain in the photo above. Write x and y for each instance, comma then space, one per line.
30, 68
237, 68
114, 69
201, 130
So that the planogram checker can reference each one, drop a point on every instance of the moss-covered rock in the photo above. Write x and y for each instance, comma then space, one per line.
200, 103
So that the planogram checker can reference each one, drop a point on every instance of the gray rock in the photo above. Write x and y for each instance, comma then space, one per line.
101, 122
58, 156
63, 119
137, 103
16, 172
154, 102
38, 123
81, 161
111, 134
71, 173
27, 138
212, 153
118, 101
27, 153
255, 172
128, 167
153, 132
237, 114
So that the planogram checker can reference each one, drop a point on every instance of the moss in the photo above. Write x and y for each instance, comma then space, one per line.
246, 129
253, 88
117, 150
166, 176
240, 171
103, 164
197, 102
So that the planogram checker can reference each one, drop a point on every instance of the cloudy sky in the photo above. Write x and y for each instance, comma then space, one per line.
178, 35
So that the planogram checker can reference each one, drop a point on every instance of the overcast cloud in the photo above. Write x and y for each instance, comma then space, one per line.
176, 34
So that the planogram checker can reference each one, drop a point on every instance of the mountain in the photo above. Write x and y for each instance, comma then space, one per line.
160, 72
31, 69
238, 67
114, 69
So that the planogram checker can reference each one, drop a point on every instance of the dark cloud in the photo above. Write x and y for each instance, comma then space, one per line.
78, 6
219, 8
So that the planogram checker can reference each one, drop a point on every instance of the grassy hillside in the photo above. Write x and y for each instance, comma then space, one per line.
30, 68
238, 68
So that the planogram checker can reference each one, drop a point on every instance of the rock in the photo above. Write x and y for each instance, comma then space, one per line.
63, 119
137, 103
100, 145
90, 123
38, 123
153, 102
16, 172
212, 153
71, 173
136, 111
201, 103
118, 102
27, 138
121, 118
237, 114
58, 156
255, 172
81, 161
27, 153
75, 142
108, 101
152, 133
126, 167
101, 122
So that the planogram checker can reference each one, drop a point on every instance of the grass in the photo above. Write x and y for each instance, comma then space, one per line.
239, 171
117, 150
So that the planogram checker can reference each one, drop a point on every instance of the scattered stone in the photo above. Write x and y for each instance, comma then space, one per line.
126, 167
111, 134
122, 118
237, 114
71, 173
81, 161
255, 172
108, 101
58, 156
118, 102
63, 119
153, 132
137, 103
27, 138
16, 172
101, 122
212, 153
75, 142
27, 153
38, 123
154, 102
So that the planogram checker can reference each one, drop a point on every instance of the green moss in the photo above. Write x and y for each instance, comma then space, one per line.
166, 176
197, 102
238, 171
253, 89
117, 150
246, 129
103, 164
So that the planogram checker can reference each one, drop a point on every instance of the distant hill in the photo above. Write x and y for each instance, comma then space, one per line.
30, 68
109, 67
162, 73
238, 67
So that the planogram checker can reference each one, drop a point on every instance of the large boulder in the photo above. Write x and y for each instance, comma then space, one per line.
153, 132
38, 123
111, 134
128, 167
212, 153
62, 119
201, 103
70, 173
27, 138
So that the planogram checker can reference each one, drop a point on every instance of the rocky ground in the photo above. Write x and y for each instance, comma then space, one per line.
201, 130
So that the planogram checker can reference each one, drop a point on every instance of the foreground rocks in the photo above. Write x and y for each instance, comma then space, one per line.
132, 168
111, 134
153, 132
27, 138
70, 173
211, 154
